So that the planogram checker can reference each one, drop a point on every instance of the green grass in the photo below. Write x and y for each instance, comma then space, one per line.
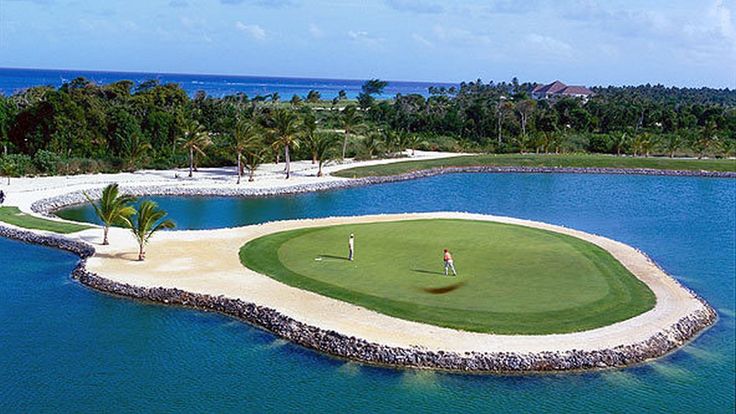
12, 215
532, 160
512, 279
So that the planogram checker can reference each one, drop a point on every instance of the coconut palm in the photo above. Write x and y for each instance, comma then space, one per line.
349, 121
308, 133
135, 151
673, 143
390, 141
247, 137
9, 168
705, 139
253, 158
285, 128
620, 141
324, 148
413, 141
194, 140
148, 220
372, 143
112, 209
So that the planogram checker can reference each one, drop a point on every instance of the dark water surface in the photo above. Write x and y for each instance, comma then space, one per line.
66, 348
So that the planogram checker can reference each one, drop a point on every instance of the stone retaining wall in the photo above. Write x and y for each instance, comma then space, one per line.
46, 206
336, 344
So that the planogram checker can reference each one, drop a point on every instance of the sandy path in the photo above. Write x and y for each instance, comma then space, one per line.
22, 192
207, 262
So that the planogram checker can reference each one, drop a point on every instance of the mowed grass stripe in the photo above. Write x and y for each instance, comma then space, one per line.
540, 160
513, 279
12, 215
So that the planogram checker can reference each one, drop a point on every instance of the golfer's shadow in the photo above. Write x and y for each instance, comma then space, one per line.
429, 272
439, 290
330, 256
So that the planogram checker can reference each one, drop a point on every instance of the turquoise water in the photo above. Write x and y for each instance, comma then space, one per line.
14, 80
66, 348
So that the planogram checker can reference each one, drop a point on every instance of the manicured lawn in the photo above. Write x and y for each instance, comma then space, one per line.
512, 279
532, 160
12, 215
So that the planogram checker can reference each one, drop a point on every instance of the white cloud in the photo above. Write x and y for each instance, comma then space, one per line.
421, 40
364, 38
315, 31
415, 6
253, 30
549, 45
460, 37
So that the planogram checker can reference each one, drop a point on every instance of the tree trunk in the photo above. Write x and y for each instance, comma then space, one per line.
239, 170
499, 128
287, 160
252, 171
105, 242
141, 253
345, 144
191, 161
319, 172
523, 124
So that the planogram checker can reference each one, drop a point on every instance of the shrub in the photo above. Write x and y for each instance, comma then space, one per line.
22, 164
600, 143
47, 162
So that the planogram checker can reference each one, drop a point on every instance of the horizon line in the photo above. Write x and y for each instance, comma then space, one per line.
726, 88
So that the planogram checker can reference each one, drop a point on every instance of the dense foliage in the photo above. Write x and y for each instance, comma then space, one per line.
83, 127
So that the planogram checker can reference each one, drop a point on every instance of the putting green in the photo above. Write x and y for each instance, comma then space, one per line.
511, 279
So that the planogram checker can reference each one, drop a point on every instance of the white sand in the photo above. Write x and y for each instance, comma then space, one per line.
22, 192
207, 262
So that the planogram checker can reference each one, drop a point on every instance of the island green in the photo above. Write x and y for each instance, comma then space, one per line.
512, 279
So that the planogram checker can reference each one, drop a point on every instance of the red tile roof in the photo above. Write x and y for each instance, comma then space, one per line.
559, 88
576, 90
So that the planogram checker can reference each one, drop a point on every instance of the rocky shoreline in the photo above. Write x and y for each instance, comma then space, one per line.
48, 205
356, 349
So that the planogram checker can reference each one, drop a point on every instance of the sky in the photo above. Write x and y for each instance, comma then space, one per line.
589, 42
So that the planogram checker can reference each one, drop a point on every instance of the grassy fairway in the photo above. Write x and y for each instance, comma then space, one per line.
512, 279
575, 160
12, 215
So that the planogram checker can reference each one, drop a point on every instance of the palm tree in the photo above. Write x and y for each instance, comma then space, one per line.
148, 220
285, 128
372, 144
254, 157
9, 168
247, 137
673, 143
308, 129
135, 150
349, 120
703, 141
324, 145
413, 141
619, 142
390, 141
113, 209
194, 140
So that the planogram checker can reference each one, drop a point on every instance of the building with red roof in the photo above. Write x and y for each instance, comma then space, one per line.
557, 89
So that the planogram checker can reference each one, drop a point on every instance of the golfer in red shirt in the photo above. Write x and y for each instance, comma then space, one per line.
449, 264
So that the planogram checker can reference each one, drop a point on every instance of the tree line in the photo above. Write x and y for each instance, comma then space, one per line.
84, 127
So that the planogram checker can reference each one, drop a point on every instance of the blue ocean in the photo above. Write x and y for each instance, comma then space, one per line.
14, 80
